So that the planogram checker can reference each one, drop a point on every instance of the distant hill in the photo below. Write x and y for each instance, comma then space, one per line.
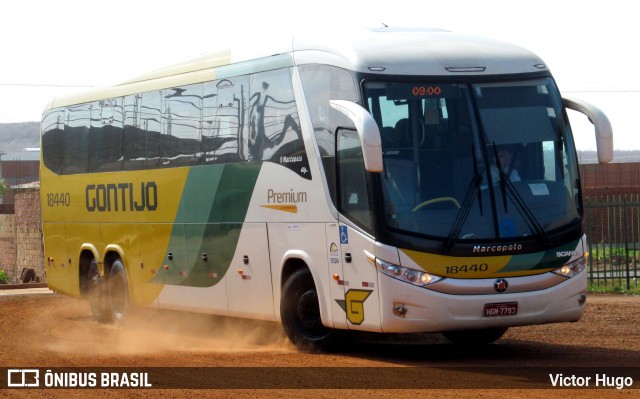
16, 136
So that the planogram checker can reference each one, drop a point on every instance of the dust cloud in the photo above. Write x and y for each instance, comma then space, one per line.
153, 331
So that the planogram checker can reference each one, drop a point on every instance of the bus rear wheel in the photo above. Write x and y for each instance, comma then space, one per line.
118, 292
300, 314
97, 294
475, 337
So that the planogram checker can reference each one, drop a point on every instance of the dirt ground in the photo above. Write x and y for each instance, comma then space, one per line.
39, 329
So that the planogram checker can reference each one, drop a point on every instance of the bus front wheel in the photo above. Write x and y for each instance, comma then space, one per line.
300, 314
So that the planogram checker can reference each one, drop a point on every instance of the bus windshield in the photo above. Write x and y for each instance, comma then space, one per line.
466, 162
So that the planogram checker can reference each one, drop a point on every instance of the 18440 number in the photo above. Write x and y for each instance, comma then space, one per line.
58, 199
480, 267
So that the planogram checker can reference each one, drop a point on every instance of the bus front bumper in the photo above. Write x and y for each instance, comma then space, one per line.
416, 309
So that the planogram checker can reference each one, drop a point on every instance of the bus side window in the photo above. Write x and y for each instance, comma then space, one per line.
76, 139
105, 136
323, 83
134, 137
353, 187
52, 139
151, 123
181, 116
223, 124
274, 128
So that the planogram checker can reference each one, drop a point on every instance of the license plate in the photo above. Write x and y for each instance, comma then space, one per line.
500, 309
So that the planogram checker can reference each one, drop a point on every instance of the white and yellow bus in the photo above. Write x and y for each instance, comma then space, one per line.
355, 182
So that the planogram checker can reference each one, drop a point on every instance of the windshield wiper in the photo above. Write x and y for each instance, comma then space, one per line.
507, 188
473, 190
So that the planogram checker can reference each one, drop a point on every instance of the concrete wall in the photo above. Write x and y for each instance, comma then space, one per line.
29, 246
21, 235
17, 172
8, 244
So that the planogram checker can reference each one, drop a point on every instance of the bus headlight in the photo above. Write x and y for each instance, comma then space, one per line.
415, 277
573, 268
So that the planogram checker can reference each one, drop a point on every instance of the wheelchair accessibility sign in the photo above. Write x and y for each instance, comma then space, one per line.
344, 235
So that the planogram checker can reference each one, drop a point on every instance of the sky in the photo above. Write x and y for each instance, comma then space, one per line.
52, 48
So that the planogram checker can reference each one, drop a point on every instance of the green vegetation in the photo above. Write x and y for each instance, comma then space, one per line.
610, 289
605, 252
4, 279
3, 186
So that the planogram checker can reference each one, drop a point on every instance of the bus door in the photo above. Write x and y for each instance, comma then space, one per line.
359, 276
336, 284
361, 303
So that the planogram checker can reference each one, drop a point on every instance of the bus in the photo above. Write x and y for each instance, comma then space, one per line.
382, 180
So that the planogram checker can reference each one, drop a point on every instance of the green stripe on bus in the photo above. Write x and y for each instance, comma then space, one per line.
212, 210
540, 260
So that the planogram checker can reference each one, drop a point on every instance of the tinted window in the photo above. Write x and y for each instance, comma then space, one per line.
354, 201
105, 136
223, 127
151, 123
475, 162
52, 139
182, 113
220, 121
274, 127
76, 139
323, 83
134, 141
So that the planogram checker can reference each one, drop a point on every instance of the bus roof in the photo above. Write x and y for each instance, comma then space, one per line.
389, 51
423, 52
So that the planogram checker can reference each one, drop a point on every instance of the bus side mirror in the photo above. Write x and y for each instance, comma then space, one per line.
604, 132
368, 132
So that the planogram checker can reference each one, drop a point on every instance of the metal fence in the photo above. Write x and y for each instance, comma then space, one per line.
612, 225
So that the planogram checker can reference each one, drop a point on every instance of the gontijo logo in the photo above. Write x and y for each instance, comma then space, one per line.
353, 304
121, 197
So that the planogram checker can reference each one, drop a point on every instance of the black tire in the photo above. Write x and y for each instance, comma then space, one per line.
118, 292
475, 337
97, 294
300, 314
